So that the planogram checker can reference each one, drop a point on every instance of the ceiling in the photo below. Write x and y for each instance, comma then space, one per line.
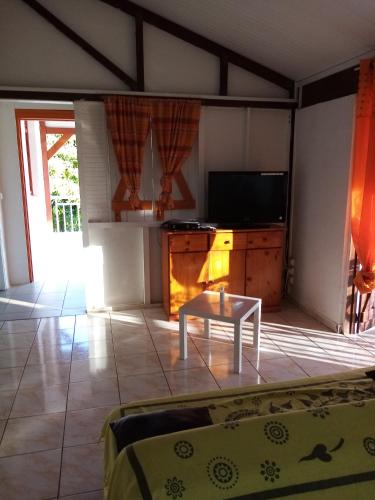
298, 38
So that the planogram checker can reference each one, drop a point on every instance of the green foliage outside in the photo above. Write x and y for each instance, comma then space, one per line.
64, 183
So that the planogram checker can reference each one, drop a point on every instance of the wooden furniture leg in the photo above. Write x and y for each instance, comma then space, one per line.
237, 347
207, 328
183, 336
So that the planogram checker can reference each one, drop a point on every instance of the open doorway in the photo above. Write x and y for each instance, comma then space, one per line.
51, 201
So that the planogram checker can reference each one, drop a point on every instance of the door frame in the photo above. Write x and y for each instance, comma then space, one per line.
37, 115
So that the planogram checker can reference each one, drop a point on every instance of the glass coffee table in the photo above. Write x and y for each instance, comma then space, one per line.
235, 310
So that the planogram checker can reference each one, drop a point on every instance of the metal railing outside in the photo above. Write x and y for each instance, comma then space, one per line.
66, 214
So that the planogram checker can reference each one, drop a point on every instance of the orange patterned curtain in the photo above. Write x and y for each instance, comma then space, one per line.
176, 124
128, 120
363, 179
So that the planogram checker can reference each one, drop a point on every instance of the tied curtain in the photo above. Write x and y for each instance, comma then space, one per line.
128, 120
175, 123
363, 178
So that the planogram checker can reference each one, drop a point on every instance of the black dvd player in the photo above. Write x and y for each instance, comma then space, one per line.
187, 225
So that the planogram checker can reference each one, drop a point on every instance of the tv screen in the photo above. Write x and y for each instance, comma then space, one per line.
247, 197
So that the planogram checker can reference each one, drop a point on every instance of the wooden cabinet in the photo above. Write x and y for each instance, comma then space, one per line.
263, 275
188, 277
245, 262
226, 268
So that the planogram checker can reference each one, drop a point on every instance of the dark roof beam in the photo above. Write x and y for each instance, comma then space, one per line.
74, 37
203, 43
139, 53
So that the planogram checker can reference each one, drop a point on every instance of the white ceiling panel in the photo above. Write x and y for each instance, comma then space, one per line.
297, 38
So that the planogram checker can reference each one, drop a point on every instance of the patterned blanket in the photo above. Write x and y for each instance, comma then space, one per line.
299, 438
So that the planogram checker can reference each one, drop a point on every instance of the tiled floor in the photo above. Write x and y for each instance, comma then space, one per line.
49, 298
59, 378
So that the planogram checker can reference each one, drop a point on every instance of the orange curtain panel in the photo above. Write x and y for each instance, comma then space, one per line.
128, 120
363, 178
175, 123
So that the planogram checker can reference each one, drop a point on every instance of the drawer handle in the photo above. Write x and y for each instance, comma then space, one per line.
251, 241
264, 238
226, 242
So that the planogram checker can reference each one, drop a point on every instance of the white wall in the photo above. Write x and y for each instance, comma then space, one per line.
229, 139
35, 54
320, 231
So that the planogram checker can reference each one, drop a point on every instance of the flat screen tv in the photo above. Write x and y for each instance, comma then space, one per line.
247, 198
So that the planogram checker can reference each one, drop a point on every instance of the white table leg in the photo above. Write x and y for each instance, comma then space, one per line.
207, 328
238, 347
183, 336
257, 313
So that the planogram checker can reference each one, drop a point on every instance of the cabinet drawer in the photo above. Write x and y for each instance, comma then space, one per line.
188, 242
265, 239
228, 241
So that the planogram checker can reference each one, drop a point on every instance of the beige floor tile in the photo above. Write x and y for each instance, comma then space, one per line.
42, 354
97, 319
53, 337
29, 434
10, 358
97, 349
226, 378
37, 401
82, 469
170, 359
10, 377
138, 364
17, 341
128, 317
132, 346
59, 323
93, 495
154, 312
84, 369
167, 341
20, 326
315, 367
84, 426
215, 353
8, 316
139, 387
6, 401
192, 380
351, 355
158, 325
2, 427
275, 370
120, 330
46, 375
93, 393
92, 333
34, 476
263, 353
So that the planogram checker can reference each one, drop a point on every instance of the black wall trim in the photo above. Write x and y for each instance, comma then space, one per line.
334, 86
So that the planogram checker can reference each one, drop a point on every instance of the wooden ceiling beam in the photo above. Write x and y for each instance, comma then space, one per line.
78, 40
223, 89
139, 53
340, 84
203, 43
